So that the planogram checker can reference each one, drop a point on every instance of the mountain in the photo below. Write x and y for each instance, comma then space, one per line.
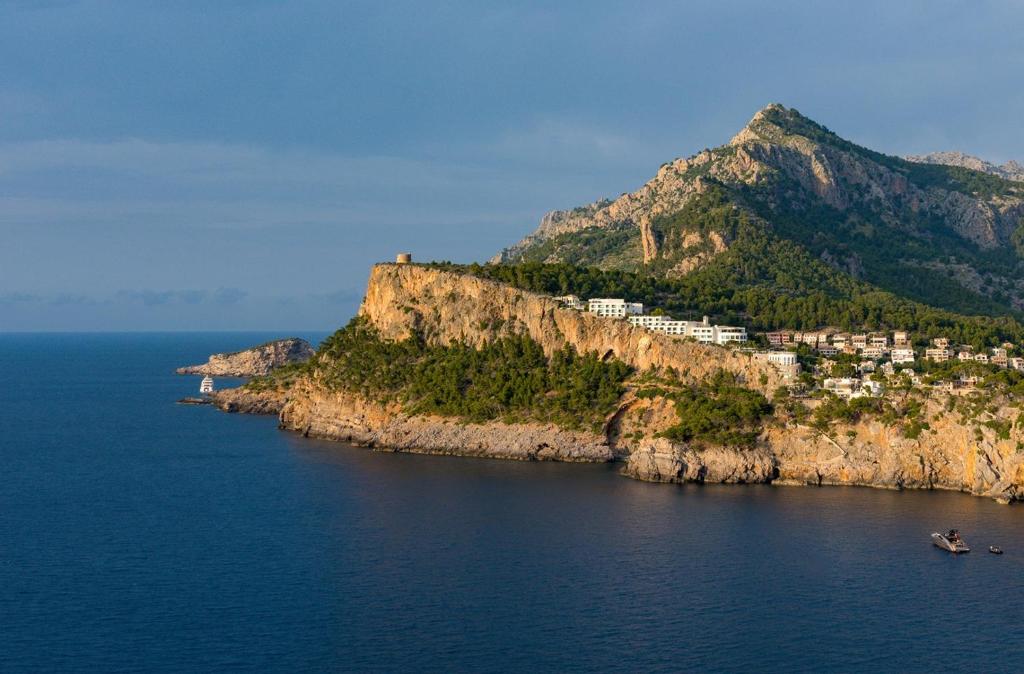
792, 207
1011, 170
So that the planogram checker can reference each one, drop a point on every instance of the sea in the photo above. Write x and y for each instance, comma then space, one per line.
138, 535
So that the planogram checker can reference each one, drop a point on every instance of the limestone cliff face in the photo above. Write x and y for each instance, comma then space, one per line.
257, 361
448, 308
951, 455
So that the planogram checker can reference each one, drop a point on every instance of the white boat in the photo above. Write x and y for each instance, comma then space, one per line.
207, 385
950, 542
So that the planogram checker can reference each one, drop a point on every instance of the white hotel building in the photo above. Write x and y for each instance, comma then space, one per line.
702, 331
614, 308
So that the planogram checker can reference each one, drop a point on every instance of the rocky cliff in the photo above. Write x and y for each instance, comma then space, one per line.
447, 307
255, 362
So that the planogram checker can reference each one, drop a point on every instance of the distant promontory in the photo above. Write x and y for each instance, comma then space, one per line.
255, 362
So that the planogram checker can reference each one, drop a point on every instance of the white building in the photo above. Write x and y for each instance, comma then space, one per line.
614, 308
902, 355
570, 302
853, 387
785, 361
702, 331
875, 352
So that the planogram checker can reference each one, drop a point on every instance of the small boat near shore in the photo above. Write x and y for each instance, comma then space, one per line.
995, 549
951, 542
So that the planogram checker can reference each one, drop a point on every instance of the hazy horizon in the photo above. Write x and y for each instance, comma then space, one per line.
182, 166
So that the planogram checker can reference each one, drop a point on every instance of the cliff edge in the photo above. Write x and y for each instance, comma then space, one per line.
255, 362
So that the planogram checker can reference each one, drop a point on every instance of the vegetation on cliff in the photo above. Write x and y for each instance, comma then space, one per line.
718, 410
509, 379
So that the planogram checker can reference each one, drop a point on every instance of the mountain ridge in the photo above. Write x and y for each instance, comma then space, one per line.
945, 235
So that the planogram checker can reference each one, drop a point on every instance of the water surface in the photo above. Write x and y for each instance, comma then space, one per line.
139, 535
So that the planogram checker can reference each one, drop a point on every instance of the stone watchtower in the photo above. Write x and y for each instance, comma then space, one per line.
403, 258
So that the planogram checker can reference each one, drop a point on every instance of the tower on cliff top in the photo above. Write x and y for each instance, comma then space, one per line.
403, 258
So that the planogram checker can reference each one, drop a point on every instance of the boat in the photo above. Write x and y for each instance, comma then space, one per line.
950, 541
206, 386
995, 549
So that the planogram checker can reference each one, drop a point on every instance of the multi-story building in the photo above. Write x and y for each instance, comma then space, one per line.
859, 341
826, 350
880, 341
900, 338
614, 308
938, 355
900, 355
875, 352
940, 342
785, 361
1016, 363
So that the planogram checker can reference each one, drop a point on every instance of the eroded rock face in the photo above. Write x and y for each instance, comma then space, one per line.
316, 412
449, 308
663, 461
245, 401
255, 362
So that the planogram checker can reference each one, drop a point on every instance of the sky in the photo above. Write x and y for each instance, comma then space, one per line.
240, 165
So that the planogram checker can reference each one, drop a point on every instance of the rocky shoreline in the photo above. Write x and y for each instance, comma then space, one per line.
783, 456
952, 453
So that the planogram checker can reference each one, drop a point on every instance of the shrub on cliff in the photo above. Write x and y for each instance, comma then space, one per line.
718, 411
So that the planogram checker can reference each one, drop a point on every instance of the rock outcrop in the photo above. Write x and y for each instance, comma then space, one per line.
243, 400
446, 307
1011, 170
332, 415
255, 362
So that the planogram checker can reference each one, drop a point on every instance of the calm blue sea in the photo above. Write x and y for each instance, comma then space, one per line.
139, 535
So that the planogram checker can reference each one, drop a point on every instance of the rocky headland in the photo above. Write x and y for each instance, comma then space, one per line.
254, 362
952, 454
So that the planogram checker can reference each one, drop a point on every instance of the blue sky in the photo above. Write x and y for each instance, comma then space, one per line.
239, 165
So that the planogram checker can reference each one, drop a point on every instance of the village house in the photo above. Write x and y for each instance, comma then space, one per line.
900, 355
937, 354
826, 350
875, 352
940, 342
878, 340
1016, 363
859, 341
900, 338
852, 387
